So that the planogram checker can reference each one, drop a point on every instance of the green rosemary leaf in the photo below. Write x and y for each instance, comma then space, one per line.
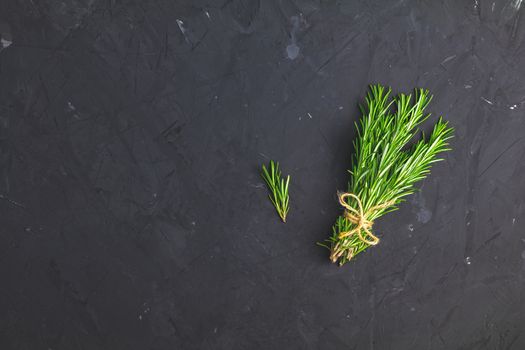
385, 166
278, 188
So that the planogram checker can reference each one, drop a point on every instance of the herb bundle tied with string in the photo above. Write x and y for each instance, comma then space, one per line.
385, 167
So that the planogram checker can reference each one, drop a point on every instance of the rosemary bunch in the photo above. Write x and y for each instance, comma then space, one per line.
278, 188
384, 167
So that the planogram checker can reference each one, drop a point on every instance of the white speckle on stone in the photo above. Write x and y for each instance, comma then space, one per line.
180, 23
340, 108
292, 51
6, 38
467, 260
411, 227
309, 115
423, 214
5, 43
468, 86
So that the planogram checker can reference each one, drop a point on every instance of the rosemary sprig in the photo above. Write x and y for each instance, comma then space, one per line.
384, 167
278, 188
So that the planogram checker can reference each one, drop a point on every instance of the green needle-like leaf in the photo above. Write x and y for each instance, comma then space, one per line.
385, 167
278, 188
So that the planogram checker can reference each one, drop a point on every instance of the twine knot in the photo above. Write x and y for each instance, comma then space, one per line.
359, 218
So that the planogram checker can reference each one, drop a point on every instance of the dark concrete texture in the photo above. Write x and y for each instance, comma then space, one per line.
132, 214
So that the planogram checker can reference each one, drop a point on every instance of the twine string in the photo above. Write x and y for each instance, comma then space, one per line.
358, 217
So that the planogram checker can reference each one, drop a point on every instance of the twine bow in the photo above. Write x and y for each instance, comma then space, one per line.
358, 217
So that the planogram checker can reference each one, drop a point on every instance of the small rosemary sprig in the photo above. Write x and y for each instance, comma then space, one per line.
278, 188
385, 167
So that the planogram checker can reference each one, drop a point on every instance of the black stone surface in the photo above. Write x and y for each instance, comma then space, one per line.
132, 215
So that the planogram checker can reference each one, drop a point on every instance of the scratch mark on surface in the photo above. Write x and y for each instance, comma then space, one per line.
16, 204
447, 274
510, 10
500, 155
183, 30
488, 101
449, 58
490, 239
509, 13
264, 155
442, 325
339, 50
